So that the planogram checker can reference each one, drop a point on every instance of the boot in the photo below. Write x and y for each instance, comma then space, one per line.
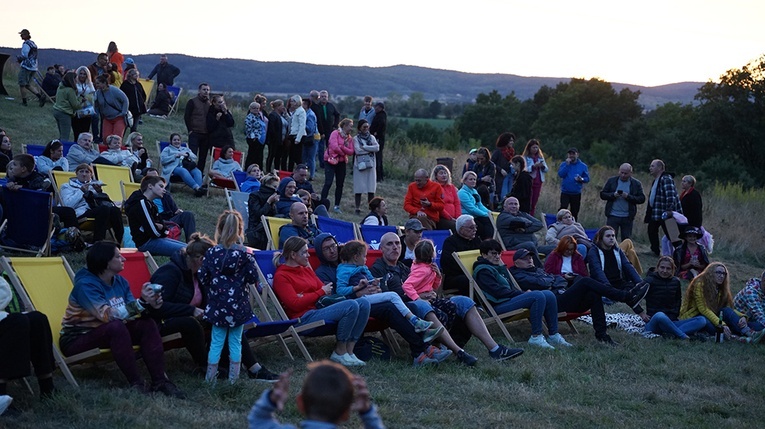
233, 371
212, 372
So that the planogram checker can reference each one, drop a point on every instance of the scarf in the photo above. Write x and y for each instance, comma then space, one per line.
508, 152
686, 192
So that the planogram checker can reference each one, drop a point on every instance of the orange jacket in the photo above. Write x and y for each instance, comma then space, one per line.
432, 191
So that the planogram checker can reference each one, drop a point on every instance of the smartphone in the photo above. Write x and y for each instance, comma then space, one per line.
619, 192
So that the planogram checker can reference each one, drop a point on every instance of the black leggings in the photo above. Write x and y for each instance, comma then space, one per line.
106, 217
25, 339
330, 172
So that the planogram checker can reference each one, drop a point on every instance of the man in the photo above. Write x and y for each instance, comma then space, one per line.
99, 66
328, 118
423, 201
377, 128
146, 226
310, 142
412, 235
51, 81
136, 97
85, 152
750, 301
195, 118
517, 229
574, 175
464, 239
367, 111
662, 198
170, 212
300, 174
622, 194
28, 68
299, 226
166, 72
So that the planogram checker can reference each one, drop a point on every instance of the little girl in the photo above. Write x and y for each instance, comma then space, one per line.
226, 271
353, 271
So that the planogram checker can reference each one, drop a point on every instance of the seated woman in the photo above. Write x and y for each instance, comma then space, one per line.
287, 196
452, 208
261, 203
79, 194
691, 256
118, 156
102, 313
495, 281
298, 289
470, 203
567, 225
52, 158
163, 101
225, 166
565, 261
179, 161
134, 142
252, 183
305, 197
663, 303
378, 213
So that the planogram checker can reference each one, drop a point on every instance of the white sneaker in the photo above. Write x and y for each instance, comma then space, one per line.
5, 402
345, 359
539, 341
359, 362
558, 340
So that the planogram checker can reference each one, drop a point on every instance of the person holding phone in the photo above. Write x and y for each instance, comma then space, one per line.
622, 194
565, 261
261, 203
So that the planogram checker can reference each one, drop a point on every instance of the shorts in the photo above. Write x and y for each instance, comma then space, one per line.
25, 76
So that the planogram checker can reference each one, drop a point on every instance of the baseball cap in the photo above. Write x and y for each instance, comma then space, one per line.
520, 254
414, 225
573, 150
24, 31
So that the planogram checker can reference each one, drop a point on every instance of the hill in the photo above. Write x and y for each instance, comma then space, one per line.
237, 75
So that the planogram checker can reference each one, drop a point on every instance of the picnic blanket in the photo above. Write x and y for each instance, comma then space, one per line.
631, 323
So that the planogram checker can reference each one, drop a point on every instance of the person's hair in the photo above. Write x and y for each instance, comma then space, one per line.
151, 169
131, 72
439, 168
276, 103
102, 78
303, 193
561, 213
485, 153
131, 138
86, 70
150, 181
690, 179
468, 173
69, 80
489, 245
504, 139
50, 68
368, 98
215, 98
252, 167
527, 149
601, 232
352, 249
203, 84
254, 104
225, 149
660, 163
269, 178
112, 47
669, 260
327, 391
25, 160
517, 159
84, 134
424, 251
112, 138
99, 255
361, 123
375, 203
229, 228
83, 166
344, 122
462, 220
102, 55
307, 101
564, 243
51, 146
173, 135
259, 98
708, 284
291, 246
198, 245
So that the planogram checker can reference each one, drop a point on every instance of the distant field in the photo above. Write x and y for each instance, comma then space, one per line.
439, 123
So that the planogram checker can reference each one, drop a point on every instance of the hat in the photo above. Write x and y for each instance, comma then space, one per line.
380, 104
24, 31
692, 231
520, 254
472, 151
414, 225
573, 150
129, 61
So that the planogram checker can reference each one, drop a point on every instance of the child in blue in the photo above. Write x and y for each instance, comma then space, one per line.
226, 271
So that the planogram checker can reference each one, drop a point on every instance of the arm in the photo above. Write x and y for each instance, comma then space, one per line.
489, 284
153, 72
536, 224
411, 203
142, 212
585, 174
701, 306
638, 197
563, 170
551, 237
595, 266
187, 113
296, 303
71, 196
607, 193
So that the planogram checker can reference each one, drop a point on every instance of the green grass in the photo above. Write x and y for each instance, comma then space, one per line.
642, 383
438, 123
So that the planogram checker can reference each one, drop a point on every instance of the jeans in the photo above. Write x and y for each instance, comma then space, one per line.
219, 334
623, 223
310, 147
387, 312
330, 171
660, 323
463, 304
653, 235
391, 297
731, 320
351, 317
191, 178
162, 246
419, 308
187, 221
64, 122
575, 200
540, 304
578, 299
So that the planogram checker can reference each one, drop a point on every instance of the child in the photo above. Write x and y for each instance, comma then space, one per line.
328, 395
226, 270
353, 271
470, 161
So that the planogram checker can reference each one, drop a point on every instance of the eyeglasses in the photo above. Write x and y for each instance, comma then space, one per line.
493, 253
721, 273
330, 247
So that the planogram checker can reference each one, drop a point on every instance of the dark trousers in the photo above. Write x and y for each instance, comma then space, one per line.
485, 227
80, 125
193, 336
254, 154
379, 159
106, 217
621, 223
578, 299
25, 339
200, 144
295, 153
275, 154
386, 311
653, 235
575, 200
460, 283
187, 221
67, 216
330, 172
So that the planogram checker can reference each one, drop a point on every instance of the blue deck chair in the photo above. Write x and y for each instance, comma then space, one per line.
342, 230
239, 178
437, 236
32, 149
67, 145
372, 234
176, 91
239, 201
550, 218
29, 221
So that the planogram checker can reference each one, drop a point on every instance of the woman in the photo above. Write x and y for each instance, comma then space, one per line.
172, 159
298, 119
113, 75
163, 102
287, 196
136, 97
690, 200
115, 56
501, 158
536, 165
364, 171
565, 261
567, 225
690, 256
255, 124
452, 207
521, 184
117, 156
261, 203
219, 123
298, 288
85, 118
339, 146
52, 158
6, 152
66, 106
102, 313
225, 166
135, 143
112, 106
378, 211
276, 133
252, 182
470, 203
78, 191
485, 170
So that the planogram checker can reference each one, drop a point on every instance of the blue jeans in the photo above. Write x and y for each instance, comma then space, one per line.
351, 317
219, 334
193, 179
463, 304
660, 324
540, 304
162, 246
309, 155
731, 320
420, 308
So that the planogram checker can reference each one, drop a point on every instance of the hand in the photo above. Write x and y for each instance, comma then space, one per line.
568, 276
486, 179
504, 173
281, 390
150, 297
198, 312
726, 332
421, 213
179, 211
327, 288
742, 322
646, 318
160, 226
427, 296
12, 186
218, 115
85, 188
361, 400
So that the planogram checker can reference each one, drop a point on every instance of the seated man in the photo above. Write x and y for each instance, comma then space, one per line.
146, 226
464, 239
85, 152
300, 175
517, 230
169, 211
412, 235
423, 201
300, 227
750, 301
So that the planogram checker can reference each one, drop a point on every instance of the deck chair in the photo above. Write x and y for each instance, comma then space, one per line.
437, 236
139, 266
148, 88
112, 175
493, 218
272, 225
68, 145
32, 149
38, 78
222, 183
127, 189
240, 177
283, 174
29, 221
176, 91
343, 231
465, 261
239, 201
58, 178
372, 234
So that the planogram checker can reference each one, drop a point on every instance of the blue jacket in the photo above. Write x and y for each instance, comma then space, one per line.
567, 172
349, 275
470, 202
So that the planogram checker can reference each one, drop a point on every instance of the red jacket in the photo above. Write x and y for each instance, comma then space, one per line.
432, 191
554, 261
298, 289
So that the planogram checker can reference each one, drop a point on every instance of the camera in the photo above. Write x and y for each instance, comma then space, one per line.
156, 288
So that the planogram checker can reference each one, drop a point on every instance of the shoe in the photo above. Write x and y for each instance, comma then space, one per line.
607, 301
422, 325
211, 373
24, 102
539, 341
606, 339
140, 387
438, 354
757, 337
263, 375
504, 353
558, 340
432, 334
199, 192
423, 360
345, 360
466, 358
5, 402
42, 99
359, 362
234, 369
336, 209
169, 389
637, 293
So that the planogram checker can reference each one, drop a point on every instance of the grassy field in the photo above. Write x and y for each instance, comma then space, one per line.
438, 123
641, 383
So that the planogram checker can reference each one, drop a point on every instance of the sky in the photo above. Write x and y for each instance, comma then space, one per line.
650, 42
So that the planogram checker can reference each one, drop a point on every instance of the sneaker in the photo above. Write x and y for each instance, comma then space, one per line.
606, 339
607, 301
423, 360
140, 387
336, 209
345, 360
5, 402
359, 362
637, 293
169, 389
200, 192
539, 341
422, 325
504, 353
757, 337
466, 358
432, 334
558, 340
42, 99
263, 375
438, 354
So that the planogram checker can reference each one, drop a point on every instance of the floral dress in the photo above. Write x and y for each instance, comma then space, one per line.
226, 273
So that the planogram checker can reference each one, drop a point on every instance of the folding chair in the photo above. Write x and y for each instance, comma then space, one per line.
112, 175
67, 145
32, 149
550, 218
139, 266
239, 201
29, 221
58, 178
176, 91
343, 231
222, 183
372, 234
272, 226
493, 218
127, 189
38, 81
437, 236
283, 174
148, 88
239, 178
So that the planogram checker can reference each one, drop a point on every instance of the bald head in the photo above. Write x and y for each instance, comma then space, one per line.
390, 246
299, 214
421, 177
625, 172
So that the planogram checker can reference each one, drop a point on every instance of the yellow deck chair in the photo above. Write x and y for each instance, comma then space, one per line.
493, 218
128, 188
112, 175
148, 88
272, 225
58, 178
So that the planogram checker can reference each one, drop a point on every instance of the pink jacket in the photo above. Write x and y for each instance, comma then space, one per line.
338, 147
422, 278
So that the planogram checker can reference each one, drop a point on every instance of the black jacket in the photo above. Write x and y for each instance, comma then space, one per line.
636, 196
142, 216
327, 123
136, 97
165, 73
692, 208
393, 277
379, 125
178, 288
494, 280
258, 206
664, 295
219, 129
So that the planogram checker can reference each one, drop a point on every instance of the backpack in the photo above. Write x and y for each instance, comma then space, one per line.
368, 348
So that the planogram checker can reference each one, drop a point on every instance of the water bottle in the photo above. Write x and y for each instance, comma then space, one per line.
719, 331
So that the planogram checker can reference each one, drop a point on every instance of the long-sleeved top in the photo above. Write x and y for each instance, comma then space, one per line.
93, 302
328, 118
225, 273
664, 295
79, 155
470, 202
598, 264
298, 123
693, 207
750, 300
369, 115
522, 190
662, 197
226, 167
143, 216
125, 158
347, 276
485, 170
557, 230
258, 206
178, 291
379, 125
166, 73
530, 164
72, 196
430, 191
517, 228
452, 206
422, 278
111, 103
170, 162
554, 264
393, 276
634, 197
45, 164
67, 100
494, 281
454, 243
697, 305
339, 146
568, 172
219, 128
298, 289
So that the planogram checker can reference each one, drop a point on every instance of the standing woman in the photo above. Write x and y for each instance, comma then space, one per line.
276, 132
115, 56
112, 106
86, 117
452, 206
536, 165
66, 106
690, 200
339, 146
364, 168
255, 135
297, 132
485, 170
219, 123
52, 158
471, 205
501, 158
522, 185
136, 97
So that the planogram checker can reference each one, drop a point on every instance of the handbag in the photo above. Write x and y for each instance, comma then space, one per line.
97, 199
86, 112
129, 119
173, 229
188, 164
327, 300
364, 161
333, 159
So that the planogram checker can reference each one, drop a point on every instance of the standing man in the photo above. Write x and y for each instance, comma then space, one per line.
99, 67
377, 128
136, 97
166, 72
195, 118
423, 201
662, 198
573, 174
28, 68
367, 112
622, 194
328, 118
